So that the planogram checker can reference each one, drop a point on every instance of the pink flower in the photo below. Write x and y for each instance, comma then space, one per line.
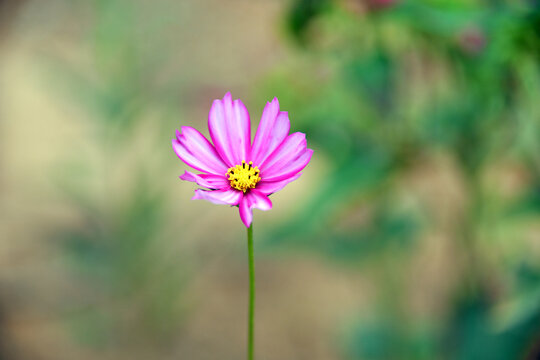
234, 170
472, 40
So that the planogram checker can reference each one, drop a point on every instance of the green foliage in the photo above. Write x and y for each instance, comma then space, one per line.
114, 252
382, 85
303, 13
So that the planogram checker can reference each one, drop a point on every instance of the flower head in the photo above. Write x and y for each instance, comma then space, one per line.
235, 171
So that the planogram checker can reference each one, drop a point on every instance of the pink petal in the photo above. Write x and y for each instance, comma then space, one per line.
230, 130
291, 168
209, 181
293, 147
196, 151
222, 197
270, 187
290, 148
273, 128
250, 200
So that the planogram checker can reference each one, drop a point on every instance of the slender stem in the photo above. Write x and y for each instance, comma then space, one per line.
251, 312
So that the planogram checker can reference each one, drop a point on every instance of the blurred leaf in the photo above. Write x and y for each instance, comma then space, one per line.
373, 77
385, 339
302, 13
473, 335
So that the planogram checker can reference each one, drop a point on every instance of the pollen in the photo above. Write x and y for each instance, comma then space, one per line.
244, 176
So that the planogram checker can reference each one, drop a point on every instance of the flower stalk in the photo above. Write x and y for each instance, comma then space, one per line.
251, 309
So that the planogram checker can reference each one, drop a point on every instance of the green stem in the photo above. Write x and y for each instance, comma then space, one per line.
251, 312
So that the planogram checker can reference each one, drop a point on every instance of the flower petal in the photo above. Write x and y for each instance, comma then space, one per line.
286, 154
221, 197
292, 168
273, 128
270, 187
290, 148
209, 181
196, 151
250, 200
230, 130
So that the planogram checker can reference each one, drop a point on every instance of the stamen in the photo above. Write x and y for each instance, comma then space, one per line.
244, 178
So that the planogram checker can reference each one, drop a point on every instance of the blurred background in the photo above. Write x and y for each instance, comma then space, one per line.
414, 233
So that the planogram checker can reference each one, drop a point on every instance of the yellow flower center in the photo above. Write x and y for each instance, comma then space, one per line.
244, 176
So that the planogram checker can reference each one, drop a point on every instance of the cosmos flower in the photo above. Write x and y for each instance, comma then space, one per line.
234, 170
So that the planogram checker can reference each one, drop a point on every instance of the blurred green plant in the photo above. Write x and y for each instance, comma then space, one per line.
134, 291
382, 86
